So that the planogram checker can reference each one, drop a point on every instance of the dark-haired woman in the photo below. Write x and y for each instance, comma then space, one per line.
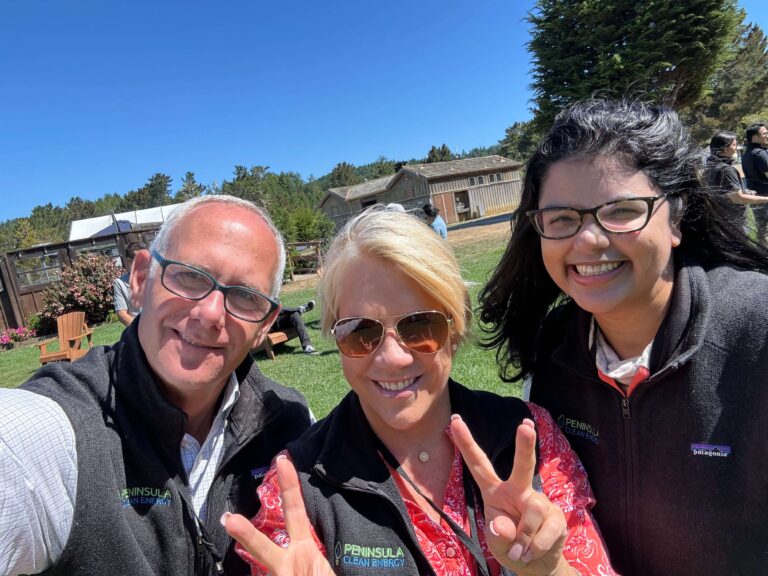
639, 315
720, 176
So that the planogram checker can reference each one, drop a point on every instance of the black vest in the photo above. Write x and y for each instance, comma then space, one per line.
133, 512
353, 501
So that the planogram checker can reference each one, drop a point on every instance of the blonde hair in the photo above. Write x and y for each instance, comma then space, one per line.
410, 247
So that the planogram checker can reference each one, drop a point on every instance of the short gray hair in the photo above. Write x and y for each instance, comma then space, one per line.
160, 243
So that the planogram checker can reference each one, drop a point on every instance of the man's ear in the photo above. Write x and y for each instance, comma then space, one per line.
139, 277
266, 324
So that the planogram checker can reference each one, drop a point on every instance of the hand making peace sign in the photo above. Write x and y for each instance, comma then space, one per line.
302, 557
526, 532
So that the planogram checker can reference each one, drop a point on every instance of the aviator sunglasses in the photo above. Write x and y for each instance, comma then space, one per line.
424, 332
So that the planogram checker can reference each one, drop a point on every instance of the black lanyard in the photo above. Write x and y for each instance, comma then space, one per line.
470, 541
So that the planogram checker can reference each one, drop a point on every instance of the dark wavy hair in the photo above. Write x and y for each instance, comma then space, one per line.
516, 299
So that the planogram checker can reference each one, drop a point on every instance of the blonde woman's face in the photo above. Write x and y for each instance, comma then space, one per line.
399, 389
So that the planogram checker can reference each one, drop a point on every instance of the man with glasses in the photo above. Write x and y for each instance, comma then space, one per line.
123, 462
755, 166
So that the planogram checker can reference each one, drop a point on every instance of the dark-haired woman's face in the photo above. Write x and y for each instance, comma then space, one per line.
611, 275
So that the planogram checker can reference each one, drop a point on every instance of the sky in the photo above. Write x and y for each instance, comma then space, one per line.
96, 96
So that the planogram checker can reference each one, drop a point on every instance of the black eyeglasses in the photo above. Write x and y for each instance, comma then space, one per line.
195, 284
617, 217
423, 332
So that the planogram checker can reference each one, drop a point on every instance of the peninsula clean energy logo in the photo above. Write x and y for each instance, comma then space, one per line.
711, 450
369, 556
145, 496
574, 427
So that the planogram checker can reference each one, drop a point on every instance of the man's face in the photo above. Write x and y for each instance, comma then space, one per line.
193, 346
761, 137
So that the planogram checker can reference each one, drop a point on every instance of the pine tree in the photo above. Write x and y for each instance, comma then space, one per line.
441, 154
658, 50
190, 188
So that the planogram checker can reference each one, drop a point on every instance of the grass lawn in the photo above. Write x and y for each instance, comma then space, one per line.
319, 377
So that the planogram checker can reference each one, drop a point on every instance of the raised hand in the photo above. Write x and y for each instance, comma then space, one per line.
525, 531
302, 557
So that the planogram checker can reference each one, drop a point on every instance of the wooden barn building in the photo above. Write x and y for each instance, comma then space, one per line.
462, 189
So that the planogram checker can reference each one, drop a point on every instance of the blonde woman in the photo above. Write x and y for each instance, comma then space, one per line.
390, 481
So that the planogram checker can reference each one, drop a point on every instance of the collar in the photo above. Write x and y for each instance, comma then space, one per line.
349, 452
136, 391
680, 335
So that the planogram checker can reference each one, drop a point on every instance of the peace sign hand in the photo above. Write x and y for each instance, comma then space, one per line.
526, 532
302, 557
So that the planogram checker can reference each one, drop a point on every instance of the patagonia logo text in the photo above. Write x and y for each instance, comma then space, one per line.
574, 427
258, 473
146, 496
369, 556
711, 450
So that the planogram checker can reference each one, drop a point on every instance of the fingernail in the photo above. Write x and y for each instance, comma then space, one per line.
529, 422
280, 457
515, 552
492, 528
527, 557
224, 518
455, 417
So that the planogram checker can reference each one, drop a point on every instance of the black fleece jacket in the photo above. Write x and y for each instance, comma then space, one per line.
353, 501
133, 513
680, 468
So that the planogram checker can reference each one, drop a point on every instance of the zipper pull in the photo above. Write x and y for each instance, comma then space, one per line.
200, 545
625, 408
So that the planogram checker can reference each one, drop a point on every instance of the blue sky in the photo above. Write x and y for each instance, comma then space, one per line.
98, 95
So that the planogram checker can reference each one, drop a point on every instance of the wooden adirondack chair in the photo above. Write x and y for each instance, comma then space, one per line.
72, 329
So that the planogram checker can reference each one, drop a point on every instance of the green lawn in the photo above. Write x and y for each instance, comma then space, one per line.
319, 377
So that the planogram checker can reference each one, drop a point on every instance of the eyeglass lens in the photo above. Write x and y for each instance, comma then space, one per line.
621, 216
424, 332
188, 282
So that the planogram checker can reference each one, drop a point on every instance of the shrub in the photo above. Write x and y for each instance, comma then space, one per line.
41, 325
12, 335
86, 286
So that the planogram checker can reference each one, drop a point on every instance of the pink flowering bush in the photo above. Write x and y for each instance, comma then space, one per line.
9, 336
86, 286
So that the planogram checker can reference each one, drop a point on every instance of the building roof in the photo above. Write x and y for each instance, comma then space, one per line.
429, 171
463, 166
361, 190
90, 227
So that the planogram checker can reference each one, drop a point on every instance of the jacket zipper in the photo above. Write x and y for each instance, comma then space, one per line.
628, 470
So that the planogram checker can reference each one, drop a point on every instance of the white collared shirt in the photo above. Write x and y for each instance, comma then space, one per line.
201, 462
38, 468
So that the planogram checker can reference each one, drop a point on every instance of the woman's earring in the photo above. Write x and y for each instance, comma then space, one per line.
454, 346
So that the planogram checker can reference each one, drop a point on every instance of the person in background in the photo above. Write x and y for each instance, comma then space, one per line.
637, 314
754, 162
291, 318
721, 177
121, 288
436, 221
390, 469
123, 462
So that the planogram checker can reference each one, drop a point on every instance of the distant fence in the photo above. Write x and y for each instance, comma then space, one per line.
26, 274
303, 258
